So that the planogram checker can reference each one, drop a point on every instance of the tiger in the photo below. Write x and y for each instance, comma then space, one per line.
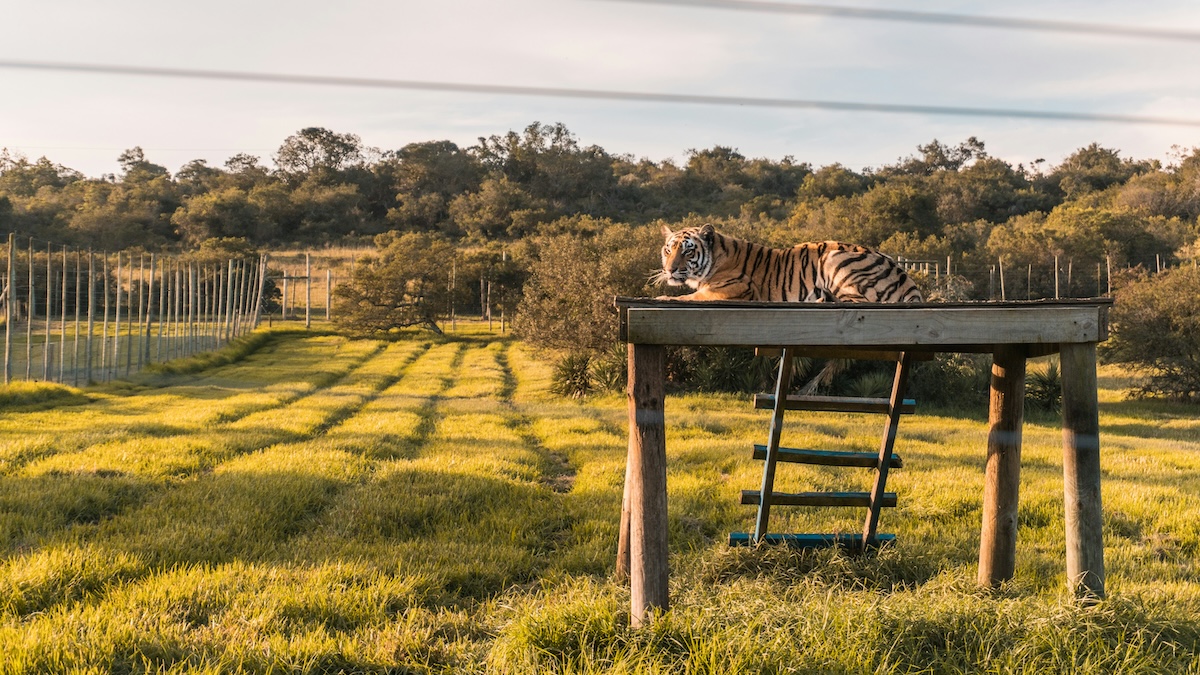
720, 267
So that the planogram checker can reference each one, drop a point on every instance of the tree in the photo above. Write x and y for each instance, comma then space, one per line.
426, 177
1155, 325
135, 168
316, 150
406, 284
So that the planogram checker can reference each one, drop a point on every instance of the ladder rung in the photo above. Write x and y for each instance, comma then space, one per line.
818, 498
852, 541
851, 404
858, 354
828, 457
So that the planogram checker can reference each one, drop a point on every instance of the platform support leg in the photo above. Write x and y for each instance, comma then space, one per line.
998, 540
1081, 470
647, 472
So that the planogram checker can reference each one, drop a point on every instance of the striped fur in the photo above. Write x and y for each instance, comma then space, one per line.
719, 267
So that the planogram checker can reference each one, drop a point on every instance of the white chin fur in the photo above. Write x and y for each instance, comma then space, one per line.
674, 282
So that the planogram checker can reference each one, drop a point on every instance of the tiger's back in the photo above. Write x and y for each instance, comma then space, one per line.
721, 267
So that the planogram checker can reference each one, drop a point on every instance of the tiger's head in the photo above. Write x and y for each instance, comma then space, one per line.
687, 257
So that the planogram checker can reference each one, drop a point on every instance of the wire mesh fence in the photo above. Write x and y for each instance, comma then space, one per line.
77, 317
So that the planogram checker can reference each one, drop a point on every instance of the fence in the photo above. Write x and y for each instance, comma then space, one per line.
78, 317
1055, 277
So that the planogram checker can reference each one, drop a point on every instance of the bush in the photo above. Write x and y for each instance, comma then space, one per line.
952, 380
1043, 388
572, 375
568, 298
1155, 326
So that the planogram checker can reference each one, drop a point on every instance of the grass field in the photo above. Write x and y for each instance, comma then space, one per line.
425, 505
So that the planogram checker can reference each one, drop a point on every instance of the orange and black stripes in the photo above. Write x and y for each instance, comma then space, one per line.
723, 267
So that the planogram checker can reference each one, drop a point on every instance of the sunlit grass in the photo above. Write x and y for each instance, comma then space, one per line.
320, 504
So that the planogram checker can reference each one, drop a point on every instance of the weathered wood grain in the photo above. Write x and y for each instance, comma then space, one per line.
647, 483
998, 539
1081, 471
875, 326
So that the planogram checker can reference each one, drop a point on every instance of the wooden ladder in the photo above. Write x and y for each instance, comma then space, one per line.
772, 453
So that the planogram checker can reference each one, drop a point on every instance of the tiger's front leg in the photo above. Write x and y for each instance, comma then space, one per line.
737, 291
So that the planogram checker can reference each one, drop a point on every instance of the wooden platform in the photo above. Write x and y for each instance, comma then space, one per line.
1010, 331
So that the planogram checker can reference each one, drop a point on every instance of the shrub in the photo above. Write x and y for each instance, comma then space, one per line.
952, 380
872, 385
572, 375
1155, 326
1043, 387
568, 298
610, 369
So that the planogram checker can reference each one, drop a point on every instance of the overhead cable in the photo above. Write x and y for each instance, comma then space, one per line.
911, 16
596, 94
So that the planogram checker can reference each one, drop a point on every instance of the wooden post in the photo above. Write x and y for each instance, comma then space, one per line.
10, 285
621, 575
162, 305
129, 319
1000, 265
29, 318
116, 357
91, 311
307, 291
283, 300
49, 302
1081, 470
647, 482
262, 289
104, 321
998, 539
244, 306
178, 311
328, 294
228, 303
78, 297
149, 309
62, 325
1056, 293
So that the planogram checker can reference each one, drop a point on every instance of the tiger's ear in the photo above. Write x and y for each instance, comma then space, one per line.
666, 231
708, 233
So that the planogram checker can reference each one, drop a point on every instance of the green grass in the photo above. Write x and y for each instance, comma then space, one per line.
304, 502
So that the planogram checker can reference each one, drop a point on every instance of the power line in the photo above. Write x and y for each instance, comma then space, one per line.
597, 94
909, 16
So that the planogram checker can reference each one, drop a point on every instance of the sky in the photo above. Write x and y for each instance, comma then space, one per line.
84, 121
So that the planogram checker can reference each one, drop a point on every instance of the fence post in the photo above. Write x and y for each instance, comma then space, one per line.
78, 297
91, 311
104, 323
29, 319
49, 302
129, 319
228, 302
307, 291
9, 287
328, 294
62, 326
262, 289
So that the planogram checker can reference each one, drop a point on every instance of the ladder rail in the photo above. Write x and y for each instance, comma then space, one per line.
782, 385
899, 384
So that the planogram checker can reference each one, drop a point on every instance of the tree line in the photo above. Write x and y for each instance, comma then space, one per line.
559, 227
944, 200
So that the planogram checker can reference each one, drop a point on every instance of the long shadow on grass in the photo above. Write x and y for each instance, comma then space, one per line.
34, 509
476, 535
